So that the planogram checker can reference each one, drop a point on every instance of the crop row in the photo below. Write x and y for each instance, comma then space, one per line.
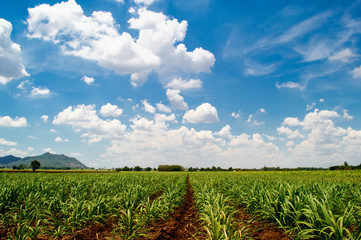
305, 205
56, 205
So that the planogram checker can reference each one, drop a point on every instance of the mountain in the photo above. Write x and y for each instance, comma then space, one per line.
48, 160
8, 159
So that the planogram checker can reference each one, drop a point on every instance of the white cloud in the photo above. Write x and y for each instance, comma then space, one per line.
10, 56
290, 143
40, 91
144, 2
324, 141
32, 137
176, 100
249, 120
289, 133
346, 115
310, 106
344, 55
88, 80
45, 118
109, 110
14, 152
3, 141
322, 100
289, 85
59, 139
164, 118
52, 130
304, 27
96, 38
30, 149
356, 72
136, 106
257, 69
7, 121
225, 132
83, 118
205, 113
236, 115
49, 150
262, 110
181, 84
163, 108
23, 86
147, 107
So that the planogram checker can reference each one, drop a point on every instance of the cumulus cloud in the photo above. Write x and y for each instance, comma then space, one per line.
147, 107
10, 56
289, 133
345, 55
356, 72
96, 37
45, 118
346, 115
7, 121
109, 110
88, 80
310, 106
176, 100
236, 115
3, 141
324, 141
144, 2
163, 108
289, 85
40, 91
164, 118
181, 84
83, 118
205, 113
59, 139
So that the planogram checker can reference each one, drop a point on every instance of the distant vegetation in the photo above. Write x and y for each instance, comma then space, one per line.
345, 166
35, 164
170, 168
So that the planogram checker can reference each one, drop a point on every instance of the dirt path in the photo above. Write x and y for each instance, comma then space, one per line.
259, 230
181, 225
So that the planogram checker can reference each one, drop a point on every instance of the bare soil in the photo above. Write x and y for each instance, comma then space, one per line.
183, 223
259, 230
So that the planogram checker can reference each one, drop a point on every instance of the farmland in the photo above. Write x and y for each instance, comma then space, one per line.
202, 205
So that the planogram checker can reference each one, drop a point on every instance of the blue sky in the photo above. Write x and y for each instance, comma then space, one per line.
197, 83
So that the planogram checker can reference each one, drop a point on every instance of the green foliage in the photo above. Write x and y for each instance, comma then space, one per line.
35, 164
170, 168
68, 202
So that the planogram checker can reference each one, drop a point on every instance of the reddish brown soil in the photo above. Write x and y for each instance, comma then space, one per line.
96, 231
259, 230
181, 225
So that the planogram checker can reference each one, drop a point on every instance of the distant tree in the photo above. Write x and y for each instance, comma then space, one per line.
138, 168
35, 164
148, 169
126, 168
345, 163
22, 166
170, 168
15, 167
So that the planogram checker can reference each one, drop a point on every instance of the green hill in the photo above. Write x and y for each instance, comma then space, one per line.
48, 160
8, 159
